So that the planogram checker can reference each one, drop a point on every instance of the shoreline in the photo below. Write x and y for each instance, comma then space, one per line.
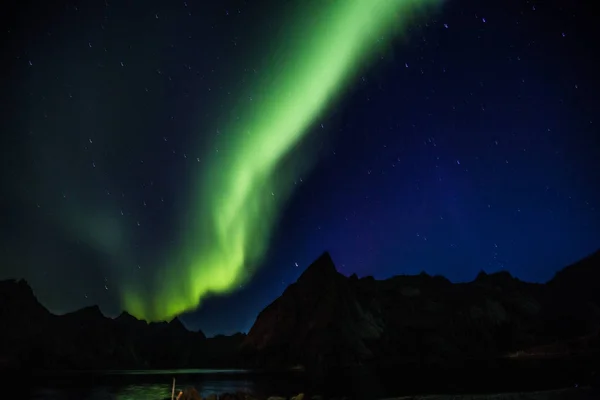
579, 393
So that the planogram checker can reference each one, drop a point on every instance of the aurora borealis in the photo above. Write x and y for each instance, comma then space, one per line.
170, 158
229, 233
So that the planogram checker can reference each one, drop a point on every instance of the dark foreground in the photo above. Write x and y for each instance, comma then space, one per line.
190, 393
542, 379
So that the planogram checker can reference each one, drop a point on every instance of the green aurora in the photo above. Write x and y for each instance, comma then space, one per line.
235, 202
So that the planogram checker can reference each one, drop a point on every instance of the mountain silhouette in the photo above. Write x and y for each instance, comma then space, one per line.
326, 320
34, 338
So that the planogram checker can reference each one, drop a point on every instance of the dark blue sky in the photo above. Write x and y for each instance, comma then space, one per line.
473, 145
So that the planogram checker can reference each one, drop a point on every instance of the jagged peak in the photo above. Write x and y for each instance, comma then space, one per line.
19, 291
322, 269
20, 284
200, 333
496, 277
481, 275
177, 324
125, 314
126, 317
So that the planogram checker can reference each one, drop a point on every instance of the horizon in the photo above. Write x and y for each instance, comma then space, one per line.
214, 335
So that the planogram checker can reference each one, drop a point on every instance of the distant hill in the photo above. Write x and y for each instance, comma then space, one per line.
33, 338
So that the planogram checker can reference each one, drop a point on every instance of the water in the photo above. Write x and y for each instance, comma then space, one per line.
358, 384
157, 384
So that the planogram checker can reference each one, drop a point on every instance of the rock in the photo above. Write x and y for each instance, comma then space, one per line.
189, 393
276, 398
299, 396
211, 396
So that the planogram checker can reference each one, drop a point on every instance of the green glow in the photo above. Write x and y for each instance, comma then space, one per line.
236, 201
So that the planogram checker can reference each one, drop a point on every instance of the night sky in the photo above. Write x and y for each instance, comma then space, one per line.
157, 152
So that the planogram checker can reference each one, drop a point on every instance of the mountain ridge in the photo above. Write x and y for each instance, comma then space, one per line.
327, 320
87, 339
420, 318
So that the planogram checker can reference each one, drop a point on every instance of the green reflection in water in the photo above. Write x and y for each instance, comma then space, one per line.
146, 392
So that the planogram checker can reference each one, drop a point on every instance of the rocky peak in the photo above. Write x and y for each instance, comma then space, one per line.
16, 290
126, 317
481, 276
316, 319
200, 334
321, 272
17, 299
176, 325
496, 279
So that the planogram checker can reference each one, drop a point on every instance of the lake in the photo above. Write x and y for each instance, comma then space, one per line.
356, 384
156, 384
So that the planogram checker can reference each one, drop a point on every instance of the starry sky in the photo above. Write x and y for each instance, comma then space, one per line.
162, 156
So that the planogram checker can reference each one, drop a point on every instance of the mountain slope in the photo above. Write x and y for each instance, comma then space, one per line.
32, 337
327, 320
318, 317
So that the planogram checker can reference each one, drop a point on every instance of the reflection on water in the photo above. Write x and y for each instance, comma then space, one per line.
134, 392
130, 392
154, 385
363, 384
146, 391
157, 384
